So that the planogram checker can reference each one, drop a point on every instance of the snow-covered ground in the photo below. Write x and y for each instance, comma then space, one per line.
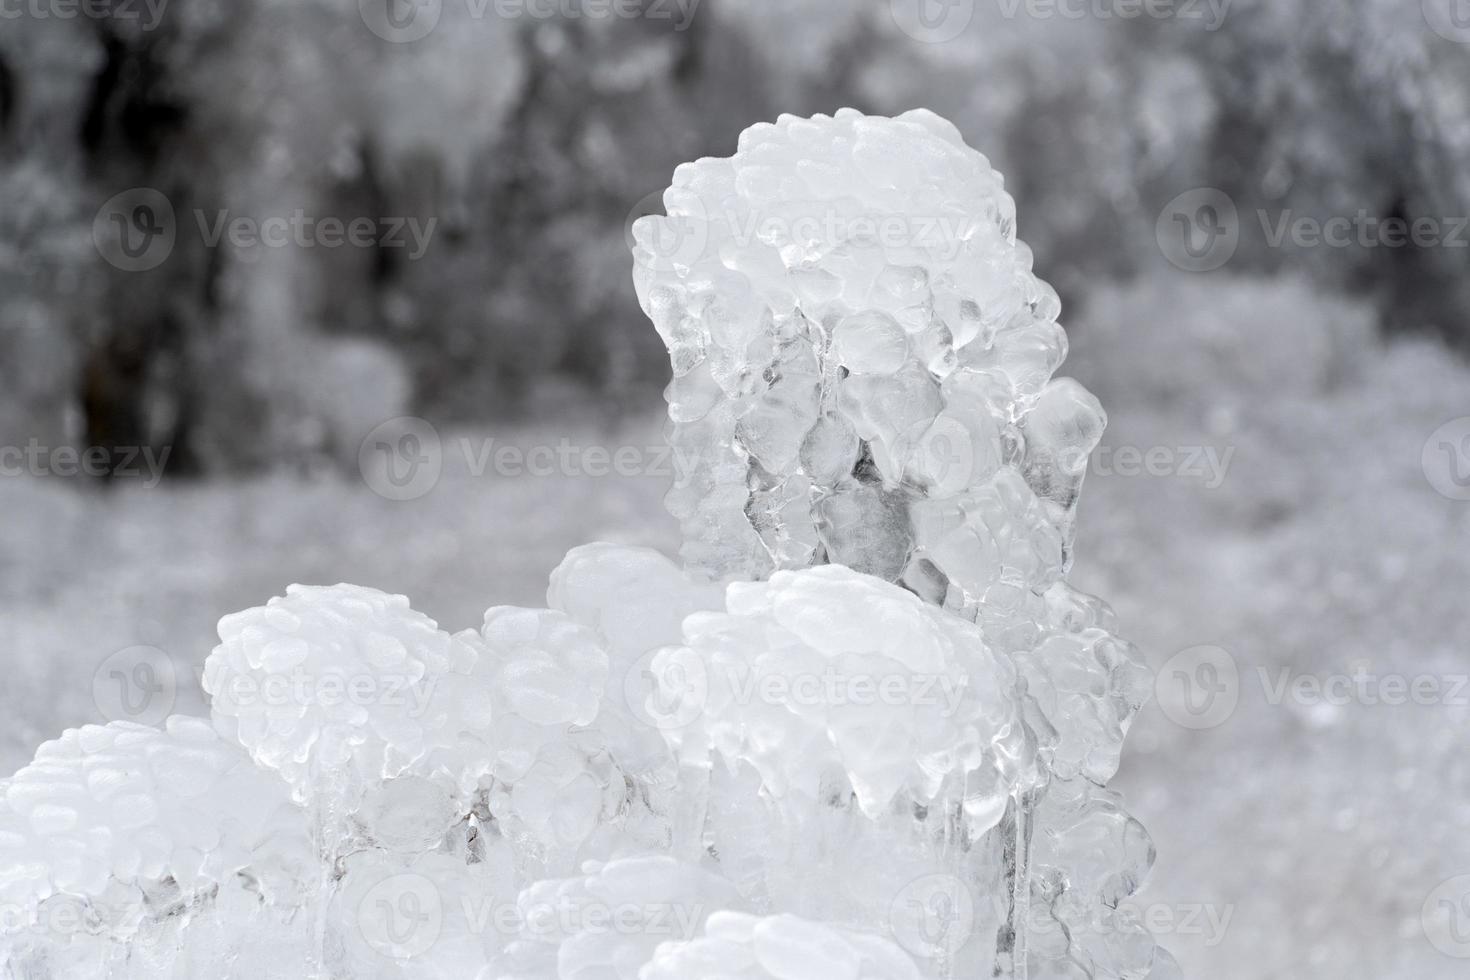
1287, 520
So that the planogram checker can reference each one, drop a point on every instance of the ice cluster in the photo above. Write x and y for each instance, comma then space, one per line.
780, 947
818, 677
863, 735
114, 836
863, 364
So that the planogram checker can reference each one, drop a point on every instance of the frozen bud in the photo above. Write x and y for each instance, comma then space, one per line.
606, 923
338, 689
636, 600
828, 672
125, 817
780, 947
857, 339
551, 670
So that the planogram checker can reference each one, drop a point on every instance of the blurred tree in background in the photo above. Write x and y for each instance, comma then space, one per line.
521, 143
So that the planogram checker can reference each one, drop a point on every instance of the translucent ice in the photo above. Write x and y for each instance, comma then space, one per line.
828, 676
606, 923
119, 838
122, 807
865, 735
863, 371
427, 916
338, 689
861, 355
636, 600
781, 947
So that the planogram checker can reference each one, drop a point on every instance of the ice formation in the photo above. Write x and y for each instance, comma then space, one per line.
780, 947
116, 839
863, 735
863, 363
